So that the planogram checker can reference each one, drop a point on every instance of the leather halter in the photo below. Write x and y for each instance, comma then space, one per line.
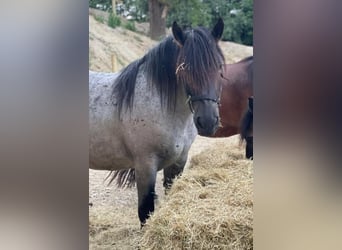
192, 99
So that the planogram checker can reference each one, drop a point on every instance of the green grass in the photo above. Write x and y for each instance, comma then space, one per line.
130, 26
113, 21
99, 19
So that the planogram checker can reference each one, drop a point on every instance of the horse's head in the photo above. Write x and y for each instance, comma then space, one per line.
198, 70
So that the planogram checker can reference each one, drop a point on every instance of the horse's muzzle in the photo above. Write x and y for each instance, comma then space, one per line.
206, 126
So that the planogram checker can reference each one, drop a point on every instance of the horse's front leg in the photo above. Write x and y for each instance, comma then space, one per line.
249, 147
145, 171
171, 172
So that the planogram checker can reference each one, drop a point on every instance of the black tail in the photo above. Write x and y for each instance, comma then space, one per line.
124, 178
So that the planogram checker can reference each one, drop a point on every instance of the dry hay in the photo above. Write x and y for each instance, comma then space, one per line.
106, 230
209, 207
205, 209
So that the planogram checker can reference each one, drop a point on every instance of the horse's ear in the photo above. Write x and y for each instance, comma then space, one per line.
178, 34
218, 29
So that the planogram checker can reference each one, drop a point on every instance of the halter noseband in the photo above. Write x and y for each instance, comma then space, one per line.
192, 99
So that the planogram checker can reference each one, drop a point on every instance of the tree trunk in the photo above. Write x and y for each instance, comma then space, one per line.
114, 7
158, 12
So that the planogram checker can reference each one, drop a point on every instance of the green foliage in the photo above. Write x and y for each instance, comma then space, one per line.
130, 25
107, 3
113, 20
239, 27
189, 13
138, 9
100, 19
237, 16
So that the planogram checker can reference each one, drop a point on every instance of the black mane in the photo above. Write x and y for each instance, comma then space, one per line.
194, 64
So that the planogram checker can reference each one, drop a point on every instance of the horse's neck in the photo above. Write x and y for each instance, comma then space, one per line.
238, 78
146, 95
181, 108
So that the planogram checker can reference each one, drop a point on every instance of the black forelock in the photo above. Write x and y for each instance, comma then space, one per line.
200, 57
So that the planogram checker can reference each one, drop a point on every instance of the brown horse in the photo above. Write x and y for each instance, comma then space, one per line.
237, 87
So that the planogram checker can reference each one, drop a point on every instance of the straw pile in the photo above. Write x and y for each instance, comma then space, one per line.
209, 207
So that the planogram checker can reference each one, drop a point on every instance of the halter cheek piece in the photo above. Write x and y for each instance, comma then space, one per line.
192, 99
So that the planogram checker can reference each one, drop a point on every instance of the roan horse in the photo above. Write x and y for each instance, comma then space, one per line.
237, 87
139, 119
246, 128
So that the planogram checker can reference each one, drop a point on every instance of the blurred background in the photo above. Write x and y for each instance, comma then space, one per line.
160, 14
44, 50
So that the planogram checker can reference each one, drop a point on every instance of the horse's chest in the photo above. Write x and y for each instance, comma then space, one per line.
170, 151
174, 147
166, 143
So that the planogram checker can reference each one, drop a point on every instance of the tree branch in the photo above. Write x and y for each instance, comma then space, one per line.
164, 13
